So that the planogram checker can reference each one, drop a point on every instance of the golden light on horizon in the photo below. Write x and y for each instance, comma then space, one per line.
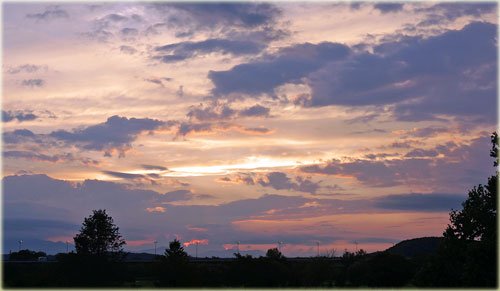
250, 163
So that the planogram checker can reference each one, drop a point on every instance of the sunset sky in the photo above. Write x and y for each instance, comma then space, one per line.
334, 122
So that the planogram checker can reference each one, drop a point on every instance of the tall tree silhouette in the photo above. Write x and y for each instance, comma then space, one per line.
468, 254
99, 236
478, 218
174, 270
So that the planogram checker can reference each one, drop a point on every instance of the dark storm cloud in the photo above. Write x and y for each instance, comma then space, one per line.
453, 73
117, 133
387, 7
289, 65
53, 12
33, 83
420, 202
18, 115
184, 50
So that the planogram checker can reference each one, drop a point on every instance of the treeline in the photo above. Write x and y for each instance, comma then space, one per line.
350, 270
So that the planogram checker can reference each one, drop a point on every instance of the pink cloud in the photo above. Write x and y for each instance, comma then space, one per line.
156, 209
196, 241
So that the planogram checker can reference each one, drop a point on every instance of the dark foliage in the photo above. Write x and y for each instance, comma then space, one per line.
381, 270
26, 255
99, 237
174, 270
467, 256
175, 252
89, 271
274, 254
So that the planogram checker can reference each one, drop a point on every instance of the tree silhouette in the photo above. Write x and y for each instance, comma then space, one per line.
467, 256
174, 269
478, 218
26, 255
494, 148
175, 252
274, 254
99, 236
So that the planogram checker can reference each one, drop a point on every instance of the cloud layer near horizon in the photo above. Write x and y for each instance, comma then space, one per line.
155, 215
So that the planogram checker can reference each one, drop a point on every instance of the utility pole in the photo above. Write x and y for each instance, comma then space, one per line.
155, 242
317, 244
279, 246
238, 247
67, 246
20, 244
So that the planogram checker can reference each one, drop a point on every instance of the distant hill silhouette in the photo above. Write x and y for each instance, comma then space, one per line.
416, 246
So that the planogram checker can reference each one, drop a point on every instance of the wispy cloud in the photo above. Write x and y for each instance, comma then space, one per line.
52, 12
18, 115
33, 83
275, 180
